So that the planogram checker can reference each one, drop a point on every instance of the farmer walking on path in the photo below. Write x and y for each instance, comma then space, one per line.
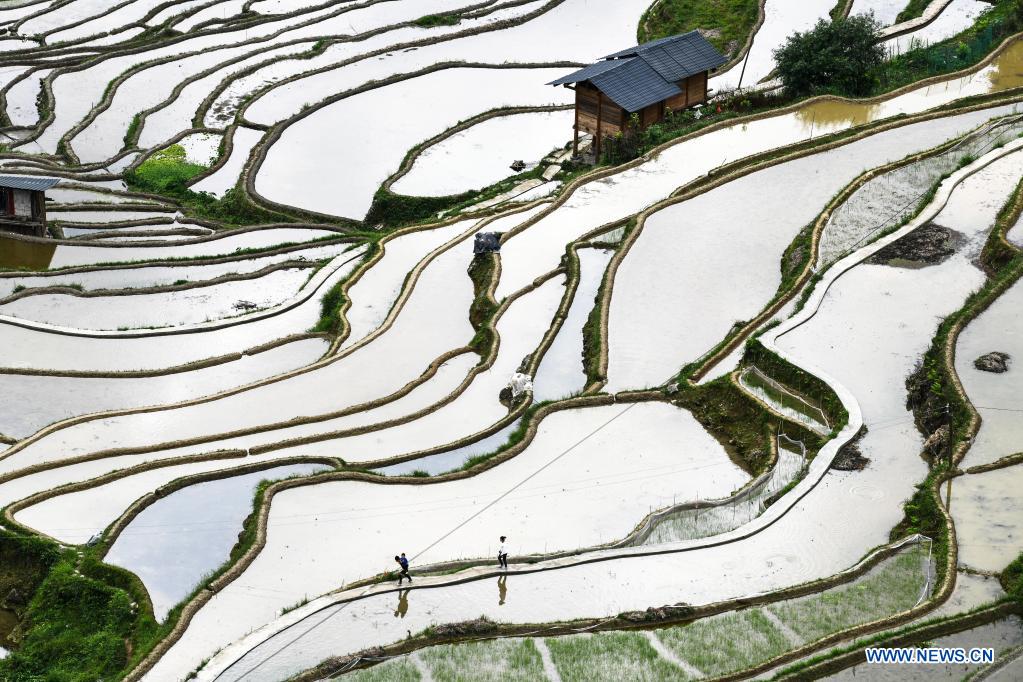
403, 563
502, 556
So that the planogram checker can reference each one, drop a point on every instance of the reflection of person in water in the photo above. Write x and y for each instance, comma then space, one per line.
502, 589
402, 604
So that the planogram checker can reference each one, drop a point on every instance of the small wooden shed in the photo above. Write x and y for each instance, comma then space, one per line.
646, 80
23, 204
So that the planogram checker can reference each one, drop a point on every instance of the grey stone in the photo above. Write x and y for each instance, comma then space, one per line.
550, 171
995, 361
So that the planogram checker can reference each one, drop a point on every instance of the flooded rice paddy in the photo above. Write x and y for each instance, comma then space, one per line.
157, 352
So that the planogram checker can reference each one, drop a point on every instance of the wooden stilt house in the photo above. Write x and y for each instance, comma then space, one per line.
23, 204
647, 80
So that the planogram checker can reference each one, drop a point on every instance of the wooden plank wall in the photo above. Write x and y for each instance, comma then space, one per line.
593, 110
612, 117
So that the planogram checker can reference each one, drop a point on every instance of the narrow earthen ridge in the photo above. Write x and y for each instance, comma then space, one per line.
67, 139
304, 295
164, 371
222, 234
481, 367
251, 97
83, 62
1001, 463
413, 154
332, 355
930, 13
102, 236
109, 207
846, 8
167, 288
262, 148
176, 262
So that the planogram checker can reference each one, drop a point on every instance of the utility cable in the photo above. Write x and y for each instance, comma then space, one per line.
433, 544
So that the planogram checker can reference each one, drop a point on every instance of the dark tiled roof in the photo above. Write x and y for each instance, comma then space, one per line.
27, 182
634, 85
587, 72
645, 74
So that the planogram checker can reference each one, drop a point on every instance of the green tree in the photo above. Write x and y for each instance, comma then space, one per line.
834, 56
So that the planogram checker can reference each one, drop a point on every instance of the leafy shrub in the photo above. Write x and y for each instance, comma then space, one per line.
833, 56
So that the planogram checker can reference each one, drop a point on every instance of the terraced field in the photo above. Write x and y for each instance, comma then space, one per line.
730, 401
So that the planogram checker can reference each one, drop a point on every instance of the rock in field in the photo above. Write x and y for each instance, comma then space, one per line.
995, 361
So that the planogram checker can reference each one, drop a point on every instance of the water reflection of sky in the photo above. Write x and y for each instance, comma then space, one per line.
178, 539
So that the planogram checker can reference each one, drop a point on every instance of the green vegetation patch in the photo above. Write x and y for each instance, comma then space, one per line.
394, 210
609, 657
330, 310
481, 271
166, 170
1012, 580
725, 23
726, 643
78, 628
893, 587
24, 562
501, 660
483, 307
334, 300
432, 20
396, 670
78, 620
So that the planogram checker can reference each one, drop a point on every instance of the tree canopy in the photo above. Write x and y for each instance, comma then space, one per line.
834, 56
